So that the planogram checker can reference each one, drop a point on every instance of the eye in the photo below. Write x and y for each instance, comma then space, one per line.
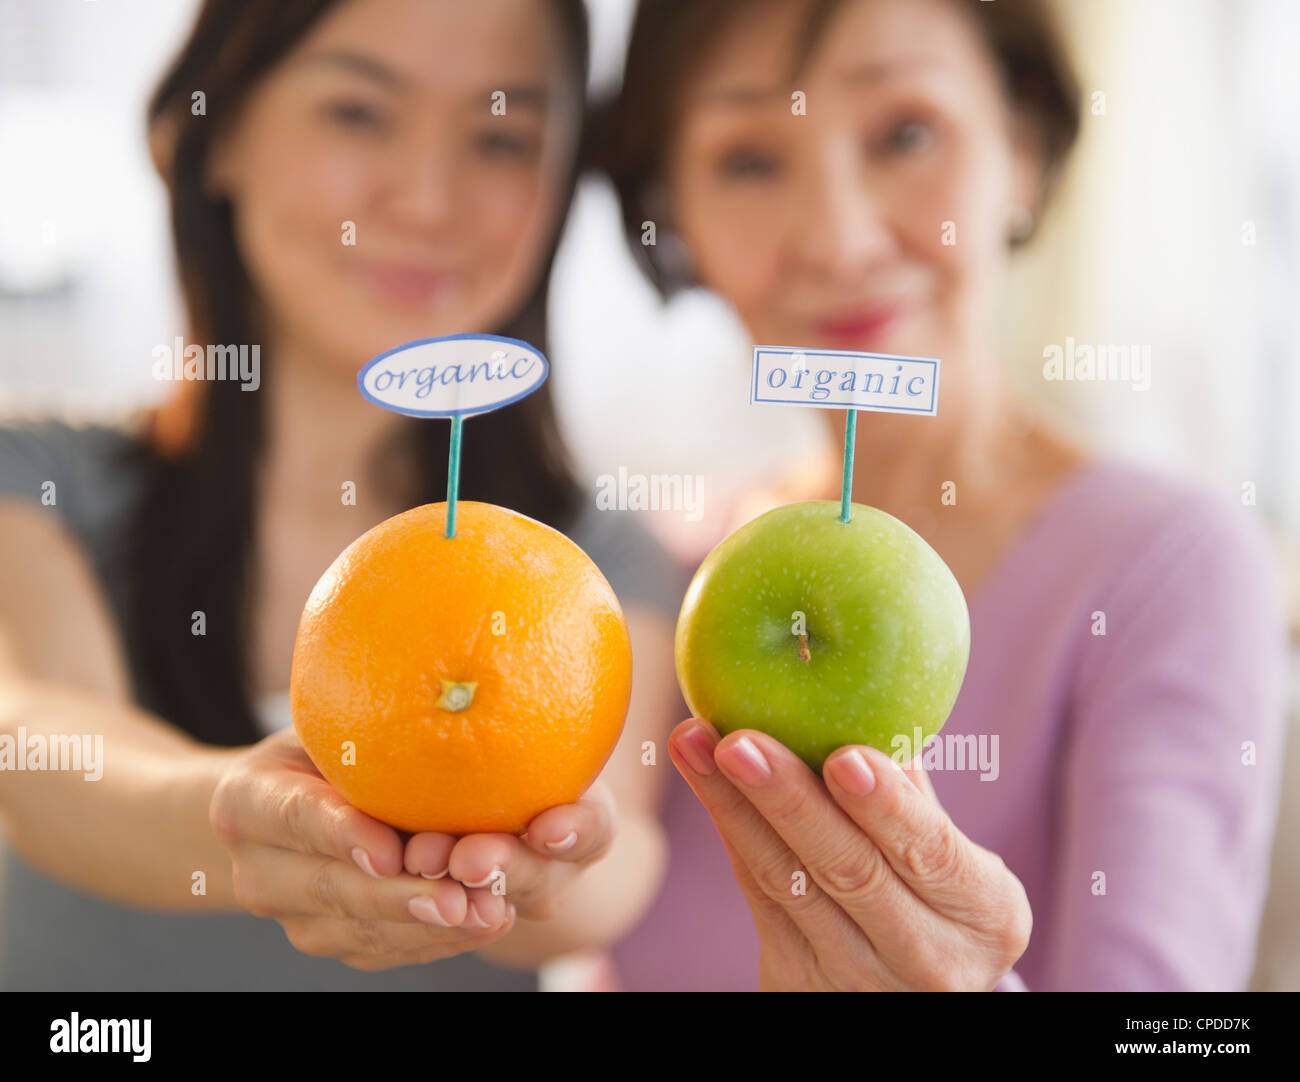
355, 114
748, 165
907, 137
510, 145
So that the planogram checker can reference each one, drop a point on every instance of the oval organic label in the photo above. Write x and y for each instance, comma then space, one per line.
457, 374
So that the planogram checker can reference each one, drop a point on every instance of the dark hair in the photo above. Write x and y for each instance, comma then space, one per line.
187, 546
671, 38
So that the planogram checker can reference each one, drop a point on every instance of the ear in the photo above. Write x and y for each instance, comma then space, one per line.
163, 131
219, 170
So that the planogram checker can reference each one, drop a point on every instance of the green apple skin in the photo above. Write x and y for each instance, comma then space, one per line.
888, 631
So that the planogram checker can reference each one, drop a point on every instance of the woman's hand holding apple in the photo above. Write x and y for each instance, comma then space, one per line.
893, 895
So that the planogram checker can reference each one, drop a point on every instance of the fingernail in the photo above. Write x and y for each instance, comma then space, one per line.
426, 875
426, 909
745, 762
473, 919
852, 771
564, 844
494, 874
363, 862
697, 750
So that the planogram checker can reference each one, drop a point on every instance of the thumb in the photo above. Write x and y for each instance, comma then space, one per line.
918, 777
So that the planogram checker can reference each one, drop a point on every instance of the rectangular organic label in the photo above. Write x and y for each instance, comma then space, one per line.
843, 379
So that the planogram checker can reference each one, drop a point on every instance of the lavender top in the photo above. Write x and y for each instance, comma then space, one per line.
1137, 771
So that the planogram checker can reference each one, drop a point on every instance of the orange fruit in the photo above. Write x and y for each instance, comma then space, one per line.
462, 684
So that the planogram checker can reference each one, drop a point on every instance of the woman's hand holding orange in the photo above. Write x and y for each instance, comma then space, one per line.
345, 886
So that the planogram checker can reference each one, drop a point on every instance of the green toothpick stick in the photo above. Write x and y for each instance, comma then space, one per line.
453, 376
453, 473
846, 492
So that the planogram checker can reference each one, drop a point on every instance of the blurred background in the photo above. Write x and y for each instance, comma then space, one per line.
1178, 228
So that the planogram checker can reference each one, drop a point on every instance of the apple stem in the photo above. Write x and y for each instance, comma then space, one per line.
846, 489
804, 654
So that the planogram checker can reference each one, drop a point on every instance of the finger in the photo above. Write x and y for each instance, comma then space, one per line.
285, 746
497, 865
917, 775
373, 945
456, 941
275, 882
533, 869
502, 865
785, 948
487, 910
837, 854
427, 854
913, 832
772, 867
572, 835
577, 832
293, 810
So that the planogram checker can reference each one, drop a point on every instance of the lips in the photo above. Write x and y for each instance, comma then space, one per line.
857, 327
405, 284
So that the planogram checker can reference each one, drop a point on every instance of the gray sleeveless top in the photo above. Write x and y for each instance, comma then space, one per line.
58, 938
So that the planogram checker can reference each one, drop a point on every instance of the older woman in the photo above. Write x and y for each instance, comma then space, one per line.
850, 174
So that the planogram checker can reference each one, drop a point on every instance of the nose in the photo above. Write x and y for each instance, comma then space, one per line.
840, 227
423, 188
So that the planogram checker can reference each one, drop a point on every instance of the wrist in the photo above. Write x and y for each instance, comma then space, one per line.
185, 800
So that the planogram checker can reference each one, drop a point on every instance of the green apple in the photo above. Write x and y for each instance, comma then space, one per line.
824, 633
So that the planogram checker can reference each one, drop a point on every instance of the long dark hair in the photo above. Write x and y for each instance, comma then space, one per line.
187, 546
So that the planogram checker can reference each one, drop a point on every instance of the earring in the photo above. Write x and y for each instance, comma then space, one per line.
668, 252
1021, 223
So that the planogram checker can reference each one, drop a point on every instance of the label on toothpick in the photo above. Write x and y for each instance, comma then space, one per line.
843, 379
456, 375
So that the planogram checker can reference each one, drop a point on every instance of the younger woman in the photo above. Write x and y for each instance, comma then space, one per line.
347, 185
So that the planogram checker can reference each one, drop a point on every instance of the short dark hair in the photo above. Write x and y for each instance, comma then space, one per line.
671, 38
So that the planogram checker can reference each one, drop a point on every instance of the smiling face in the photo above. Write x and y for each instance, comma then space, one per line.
444, 131
823, 219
